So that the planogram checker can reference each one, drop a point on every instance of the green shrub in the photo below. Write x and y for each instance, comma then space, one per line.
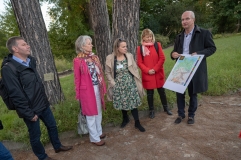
164, 40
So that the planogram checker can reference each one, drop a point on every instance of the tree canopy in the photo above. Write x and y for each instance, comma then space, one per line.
72, 18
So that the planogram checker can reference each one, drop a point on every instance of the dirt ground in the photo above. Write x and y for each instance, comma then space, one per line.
213, 136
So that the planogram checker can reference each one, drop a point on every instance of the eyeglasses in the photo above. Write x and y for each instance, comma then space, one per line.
185, 19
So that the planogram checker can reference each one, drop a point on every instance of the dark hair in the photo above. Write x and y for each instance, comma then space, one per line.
12, 42
117, 45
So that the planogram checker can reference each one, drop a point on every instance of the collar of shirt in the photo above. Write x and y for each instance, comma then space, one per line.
189, 34
21, 61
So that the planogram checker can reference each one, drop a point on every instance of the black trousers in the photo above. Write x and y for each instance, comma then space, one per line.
134, 113
150, 99
192, 102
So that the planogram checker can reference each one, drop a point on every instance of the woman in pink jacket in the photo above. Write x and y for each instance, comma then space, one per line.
90, 87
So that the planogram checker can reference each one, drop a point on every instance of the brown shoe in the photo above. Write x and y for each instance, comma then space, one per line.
102, 136
100, 143
63, 148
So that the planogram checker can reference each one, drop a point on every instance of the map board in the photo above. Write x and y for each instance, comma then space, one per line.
182, 72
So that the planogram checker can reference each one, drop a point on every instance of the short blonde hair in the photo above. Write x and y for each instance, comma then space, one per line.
80, 42
116, 45
146, 32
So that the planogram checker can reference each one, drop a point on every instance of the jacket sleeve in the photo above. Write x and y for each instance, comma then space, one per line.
135, 67
161, 59
176, 43
108, 71
77, 77
16, 93
140, 61
209, 46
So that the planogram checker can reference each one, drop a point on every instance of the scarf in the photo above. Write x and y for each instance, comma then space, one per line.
99, 70
145, 50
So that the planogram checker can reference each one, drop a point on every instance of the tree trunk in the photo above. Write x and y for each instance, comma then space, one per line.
32, 29
100, 25
125, 22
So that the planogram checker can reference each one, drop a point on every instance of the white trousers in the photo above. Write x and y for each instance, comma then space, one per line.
94, 122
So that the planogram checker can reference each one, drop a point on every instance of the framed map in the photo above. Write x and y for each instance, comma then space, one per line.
182, 72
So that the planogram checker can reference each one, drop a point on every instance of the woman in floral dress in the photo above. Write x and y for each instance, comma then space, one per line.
124, 83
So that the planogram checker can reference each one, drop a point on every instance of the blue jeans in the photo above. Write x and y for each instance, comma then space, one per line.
34, 133
192, 102
4, 153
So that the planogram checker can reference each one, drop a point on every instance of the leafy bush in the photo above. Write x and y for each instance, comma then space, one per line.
164, 40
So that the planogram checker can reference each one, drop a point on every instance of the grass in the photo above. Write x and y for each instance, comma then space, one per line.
224, 75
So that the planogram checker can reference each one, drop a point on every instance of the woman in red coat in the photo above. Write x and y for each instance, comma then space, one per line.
150, 59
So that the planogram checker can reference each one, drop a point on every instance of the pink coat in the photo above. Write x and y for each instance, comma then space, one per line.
84, 88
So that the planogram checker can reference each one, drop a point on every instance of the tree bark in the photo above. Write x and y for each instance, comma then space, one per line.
33, 30
125, 22
100, 25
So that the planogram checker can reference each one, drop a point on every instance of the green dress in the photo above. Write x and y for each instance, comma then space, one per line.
125, 93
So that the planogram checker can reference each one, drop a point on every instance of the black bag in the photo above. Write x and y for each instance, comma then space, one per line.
4, 91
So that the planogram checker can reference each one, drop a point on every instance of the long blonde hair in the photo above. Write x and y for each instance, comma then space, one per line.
117, 45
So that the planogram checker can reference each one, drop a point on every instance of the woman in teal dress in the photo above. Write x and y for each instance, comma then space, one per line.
124, 83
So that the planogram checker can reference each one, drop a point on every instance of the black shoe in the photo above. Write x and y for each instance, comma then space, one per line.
179, 119
166, 109
125, 122
63, 148
190, 120
151, 114
138, 126
168, 112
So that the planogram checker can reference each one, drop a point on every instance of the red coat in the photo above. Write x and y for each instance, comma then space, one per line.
152, 61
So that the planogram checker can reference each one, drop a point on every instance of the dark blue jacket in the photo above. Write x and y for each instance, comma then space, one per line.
25, 88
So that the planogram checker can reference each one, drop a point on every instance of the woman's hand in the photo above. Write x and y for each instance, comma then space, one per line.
151, 71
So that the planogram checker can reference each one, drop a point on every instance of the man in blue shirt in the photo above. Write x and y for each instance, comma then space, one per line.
192, 40
26, 90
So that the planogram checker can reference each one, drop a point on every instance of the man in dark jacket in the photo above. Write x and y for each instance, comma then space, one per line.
193, 40
27, 93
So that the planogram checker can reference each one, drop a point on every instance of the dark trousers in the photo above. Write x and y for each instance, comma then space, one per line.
134, 113
192, 102
150, 99
34, 133
4, 153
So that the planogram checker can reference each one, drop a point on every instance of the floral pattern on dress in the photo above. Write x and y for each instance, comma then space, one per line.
125, 93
